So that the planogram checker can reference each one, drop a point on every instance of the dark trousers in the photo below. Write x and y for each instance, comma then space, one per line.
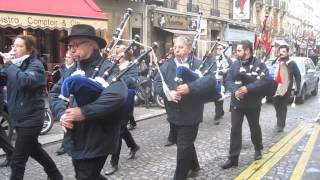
237, 116
172, 134
27, 145
5, 143
127, 136
219, 108
131, 119
280, 105
186, 153
89, 169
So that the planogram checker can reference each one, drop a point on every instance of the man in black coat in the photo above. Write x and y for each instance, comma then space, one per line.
245, 101
92, 133
281, 102
185, 111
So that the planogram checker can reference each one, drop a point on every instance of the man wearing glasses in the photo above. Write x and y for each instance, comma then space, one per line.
91, 133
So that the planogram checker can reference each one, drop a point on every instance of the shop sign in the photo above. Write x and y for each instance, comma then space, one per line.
170, 21
15, 20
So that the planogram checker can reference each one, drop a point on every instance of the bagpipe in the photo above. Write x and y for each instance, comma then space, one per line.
278, 77
185, 74
86, 90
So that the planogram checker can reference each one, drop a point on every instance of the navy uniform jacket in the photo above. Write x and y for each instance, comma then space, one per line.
98, 135
26, 89
253, 98
189, 111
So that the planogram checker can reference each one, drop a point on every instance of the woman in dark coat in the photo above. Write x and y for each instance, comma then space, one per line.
26, 86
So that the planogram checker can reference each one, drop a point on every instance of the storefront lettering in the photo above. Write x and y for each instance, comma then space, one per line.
175, 23
42, 22
74, 22
9, 20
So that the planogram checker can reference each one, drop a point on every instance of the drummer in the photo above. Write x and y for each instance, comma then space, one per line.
280, 102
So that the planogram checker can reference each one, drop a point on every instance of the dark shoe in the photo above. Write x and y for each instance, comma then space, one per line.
229, 164
132, 127
60, 151
169, 143
56, 176
216, 122
5, 163
112, 170
133, 152
193, 173
217, 117
279, 129
257, 155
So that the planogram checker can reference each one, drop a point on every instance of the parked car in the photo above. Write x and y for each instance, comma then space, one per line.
309, 78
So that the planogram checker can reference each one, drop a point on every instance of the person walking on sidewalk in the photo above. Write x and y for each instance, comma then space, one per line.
245, 101
185, 112
281, 102
26, 86
130, 79
92, 132
5, 143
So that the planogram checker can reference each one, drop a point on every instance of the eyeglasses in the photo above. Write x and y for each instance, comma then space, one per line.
76, 45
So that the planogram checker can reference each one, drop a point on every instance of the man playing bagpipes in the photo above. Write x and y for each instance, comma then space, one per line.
91, 130
185, 110
130, 78
246, 94
281, 102
220, 70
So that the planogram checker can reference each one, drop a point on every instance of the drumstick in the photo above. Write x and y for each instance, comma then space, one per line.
264, 100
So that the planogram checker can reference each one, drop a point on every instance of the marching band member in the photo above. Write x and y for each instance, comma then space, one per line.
222, 65
130, 80
281, 102
26, 85
185, 112
91, 133
245, 101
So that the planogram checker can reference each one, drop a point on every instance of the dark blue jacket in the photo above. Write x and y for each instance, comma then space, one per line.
25, 89
189, 111
255, 89
98, 135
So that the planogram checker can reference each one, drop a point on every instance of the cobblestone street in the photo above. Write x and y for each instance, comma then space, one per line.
155, 161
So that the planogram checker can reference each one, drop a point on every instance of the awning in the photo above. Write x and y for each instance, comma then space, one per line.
50, 14
181, 32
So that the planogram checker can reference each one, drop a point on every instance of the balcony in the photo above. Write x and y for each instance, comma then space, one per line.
170, 4
192, 7
215, 12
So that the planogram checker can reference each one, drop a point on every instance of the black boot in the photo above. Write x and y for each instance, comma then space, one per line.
230, 163
113, 169
133, 152
257, 155
55, 176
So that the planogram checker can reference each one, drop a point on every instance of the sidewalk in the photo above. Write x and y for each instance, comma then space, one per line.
140, 114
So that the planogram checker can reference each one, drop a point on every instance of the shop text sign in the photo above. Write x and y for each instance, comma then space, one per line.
46, 22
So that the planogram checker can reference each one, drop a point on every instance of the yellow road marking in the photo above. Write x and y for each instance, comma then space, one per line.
305, 156
256, 165
279, 155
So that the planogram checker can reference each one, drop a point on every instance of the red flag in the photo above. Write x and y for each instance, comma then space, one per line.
265, 37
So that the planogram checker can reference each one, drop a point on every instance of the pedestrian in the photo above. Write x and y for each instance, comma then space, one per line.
130, 79
185, 112
281, 102
245, 101
62, 72
92, 134
44, 59
222, 66
5, 143
26, 86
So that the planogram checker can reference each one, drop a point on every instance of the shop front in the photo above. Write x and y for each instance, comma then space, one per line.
48, 21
